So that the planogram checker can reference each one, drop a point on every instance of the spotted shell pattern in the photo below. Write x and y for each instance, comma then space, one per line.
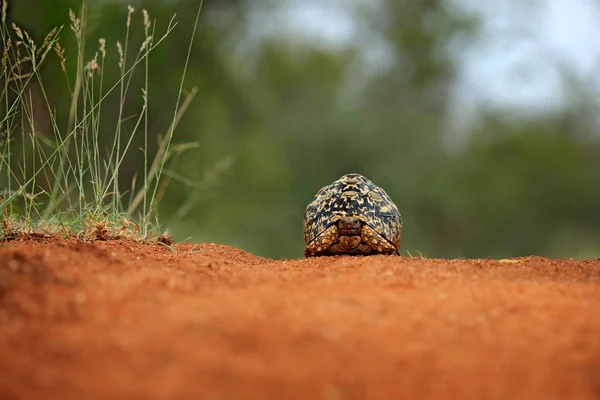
353, 195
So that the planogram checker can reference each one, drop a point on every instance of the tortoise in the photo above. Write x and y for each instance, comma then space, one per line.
352, 216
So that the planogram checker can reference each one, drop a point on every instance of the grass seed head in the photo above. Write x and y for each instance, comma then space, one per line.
30, 41
17, 31
75, 23
19, 60
129, 12
146, 43
4, 8
146, 22
121, 56
60, 52
102, 42
47, 40
92, 66
5, 54
49, 37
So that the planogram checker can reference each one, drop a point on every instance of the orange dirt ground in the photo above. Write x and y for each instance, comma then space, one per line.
127, 320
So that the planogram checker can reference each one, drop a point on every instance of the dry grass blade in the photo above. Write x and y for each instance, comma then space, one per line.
161, 151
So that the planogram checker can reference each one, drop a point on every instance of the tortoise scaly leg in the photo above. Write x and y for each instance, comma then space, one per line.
323, 242
376, 242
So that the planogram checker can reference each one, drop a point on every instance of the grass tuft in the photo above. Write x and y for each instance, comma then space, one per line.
61, 174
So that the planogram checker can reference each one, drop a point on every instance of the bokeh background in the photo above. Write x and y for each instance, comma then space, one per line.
480, 119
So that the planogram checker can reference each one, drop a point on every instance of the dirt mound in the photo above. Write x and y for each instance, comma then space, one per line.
122, 319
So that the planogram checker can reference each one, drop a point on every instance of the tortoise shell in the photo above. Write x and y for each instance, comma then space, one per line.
352, 216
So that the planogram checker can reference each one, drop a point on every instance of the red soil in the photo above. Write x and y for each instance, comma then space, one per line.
138, 321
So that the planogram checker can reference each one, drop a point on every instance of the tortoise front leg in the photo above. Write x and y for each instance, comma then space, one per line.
323, 242
376, 242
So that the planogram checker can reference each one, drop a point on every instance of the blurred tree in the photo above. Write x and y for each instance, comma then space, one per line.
516, 193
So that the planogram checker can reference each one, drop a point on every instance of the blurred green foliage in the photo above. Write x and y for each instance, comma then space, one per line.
278, 119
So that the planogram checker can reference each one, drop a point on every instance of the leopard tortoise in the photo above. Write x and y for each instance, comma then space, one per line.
352, 216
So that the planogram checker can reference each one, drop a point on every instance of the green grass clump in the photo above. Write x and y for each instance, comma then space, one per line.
59, 178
